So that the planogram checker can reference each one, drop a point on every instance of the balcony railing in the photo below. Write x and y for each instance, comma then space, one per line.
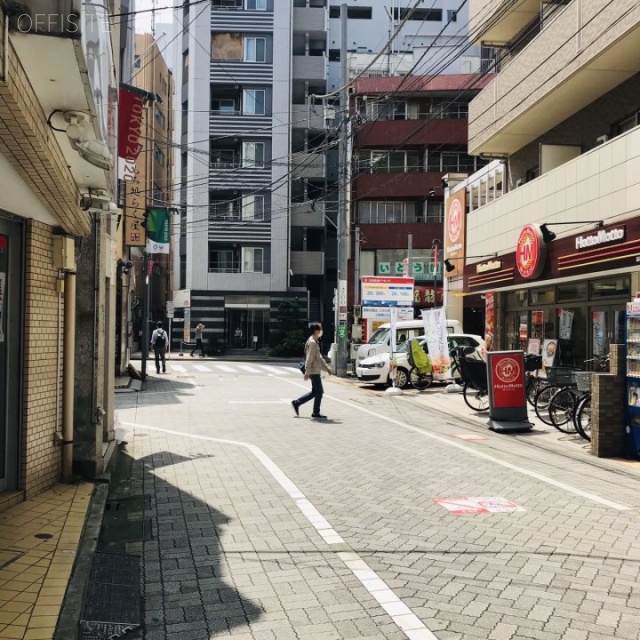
225, 267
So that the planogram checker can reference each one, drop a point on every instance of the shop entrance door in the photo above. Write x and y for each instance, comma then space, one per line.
10, 351
607, 327
242, 325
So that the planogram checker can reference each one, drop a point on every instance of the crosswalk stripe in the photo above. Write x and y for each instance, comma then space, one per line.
246, 367
201, 367
279, 372
225, 368
178, 367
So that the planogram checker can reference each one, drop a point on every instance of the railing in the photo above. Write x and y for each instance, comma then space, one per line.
231, 267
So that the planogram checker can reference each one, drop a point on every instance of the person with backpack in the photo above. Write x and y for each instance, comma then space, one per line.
159, 342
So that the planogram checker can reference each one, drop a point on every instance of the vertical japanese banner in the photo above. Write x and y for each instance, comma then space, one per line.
158, 230
435, 329
566, 324
489, 319
537, 325
455, 225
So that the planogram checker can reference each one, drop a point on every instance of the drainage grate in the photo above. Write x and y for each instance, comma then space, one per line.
112, 602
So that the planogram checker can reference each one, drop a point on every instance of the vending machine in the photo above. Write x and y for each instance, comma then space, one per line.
632, 413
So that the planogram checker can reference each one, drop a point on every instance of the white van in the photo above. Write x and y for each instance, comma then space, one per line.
380, 341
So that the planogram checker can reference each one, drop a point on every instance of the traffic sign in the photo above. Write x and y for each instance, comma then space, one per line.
169, 308
342, 331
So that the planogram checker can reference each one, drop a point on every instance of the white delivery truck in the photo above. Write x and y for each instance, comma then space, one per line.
380, 341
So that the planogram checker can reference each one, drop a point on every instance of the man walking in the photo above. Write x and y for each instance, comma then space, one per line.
159, 342
314, 364
199, 344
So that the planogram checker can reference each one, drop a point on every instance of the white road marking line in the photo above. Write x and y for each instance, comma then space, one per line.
479, 454
202, 367
246, 367
177, 367
276, 370
225, 368
256, 401
400, 613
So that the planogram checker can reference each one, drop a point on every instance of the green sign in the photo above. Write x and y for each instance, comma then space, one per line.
418, 268
399, 268
384, 268
342, 331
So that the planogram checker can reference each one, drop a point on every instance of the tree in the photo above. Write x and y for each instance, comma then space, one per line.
287, 336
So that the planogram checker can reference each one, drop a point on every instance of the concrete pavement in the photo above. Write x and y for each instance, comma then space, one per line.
269, 526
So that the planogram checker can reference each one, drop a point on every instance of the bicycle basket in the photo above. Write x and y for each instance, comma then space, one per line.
583, 380
561, 375
532, 363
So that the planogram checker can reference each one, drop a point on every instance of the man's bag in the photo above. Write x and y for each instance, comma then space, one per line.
161, 342
302, 367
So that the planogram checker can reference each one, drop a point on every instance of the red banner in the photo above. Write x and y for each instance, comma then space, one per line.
131, 111
507, 379
489, 319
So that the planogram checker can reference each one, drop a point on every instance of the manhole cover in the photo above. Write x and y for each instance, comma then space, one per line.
112, 603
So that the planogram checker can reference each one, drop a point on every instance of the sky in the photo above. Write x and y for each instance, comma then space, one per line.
143, 20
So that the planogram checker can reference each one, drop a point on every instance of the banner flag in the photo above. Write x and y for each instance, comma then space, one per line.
435, 329
158, 230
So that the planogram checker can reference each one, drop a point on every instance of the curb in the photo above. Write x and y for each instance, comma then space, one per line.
68, 623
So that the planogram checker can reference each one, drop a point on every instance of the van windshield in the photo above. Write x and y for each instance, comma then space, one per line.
379, 337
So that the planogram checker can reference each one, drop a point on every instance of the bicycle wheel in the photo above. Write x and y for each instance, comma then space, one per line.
476, 398
541, 403
418, 380
583, 417
534, 385
561, 409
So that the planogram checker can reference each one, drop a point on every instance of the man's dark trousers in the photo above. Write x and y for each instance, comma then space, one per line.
316, 393
160, 354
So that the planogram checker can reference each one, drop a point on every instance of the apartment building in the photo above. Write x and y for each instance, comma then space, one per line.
557, 211
58, 80
258, 167
412, 132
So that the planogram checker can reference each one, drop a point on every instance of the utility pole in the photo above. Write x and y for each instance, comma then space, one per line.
356, 269
145, 317
343, 236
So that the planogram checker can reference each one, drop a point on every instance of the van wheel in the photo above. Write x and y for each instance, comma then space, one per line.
401, 378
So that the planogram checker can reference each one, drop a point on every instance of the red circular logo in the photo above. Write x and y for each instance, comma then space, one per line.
507, 370
529, 251
454, 220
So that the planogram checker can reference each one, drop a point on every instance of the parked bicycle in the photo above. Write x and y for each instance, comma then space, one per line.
421, 372
475, 388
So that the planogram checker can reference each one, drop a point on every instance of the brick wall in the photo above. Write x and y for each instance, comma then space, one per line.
41, 458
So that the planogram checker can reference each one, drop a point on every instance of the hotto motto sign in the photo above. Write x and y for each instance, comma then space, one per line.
531, 251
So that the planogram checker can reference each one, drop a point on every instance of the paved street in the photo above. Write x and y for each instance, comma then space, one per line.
267, 526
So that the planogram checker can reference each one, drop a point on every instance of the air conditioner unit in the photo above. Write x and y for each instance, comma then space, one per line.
602, 139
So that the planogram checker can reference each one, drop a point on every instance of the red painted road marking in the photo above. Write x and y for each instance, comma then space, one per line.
458, 506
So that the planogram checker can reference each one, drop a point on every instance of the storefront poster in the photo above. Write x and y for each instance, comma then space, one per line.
523, 332
549, 350
489, 319
435, 329
566, 324
534, 347
599, 338
537, 325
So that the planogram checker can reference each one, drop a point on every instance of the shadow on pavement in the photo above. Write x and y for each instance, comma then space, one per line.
177, 537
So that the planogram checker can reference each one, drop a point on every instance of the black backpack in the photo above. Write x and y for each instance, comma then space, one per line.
161, 340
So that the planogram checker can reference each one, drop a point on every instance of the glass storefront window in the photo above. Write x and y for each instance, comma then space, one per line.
572, 291
611, 288
542, 296
516, 299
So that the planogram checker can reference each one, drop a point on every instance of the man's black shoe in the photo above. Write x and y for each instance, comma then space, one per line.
318, 416
294, 404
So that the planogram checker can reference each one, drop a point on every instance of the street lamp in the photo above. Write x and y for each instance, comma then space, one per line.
548, 236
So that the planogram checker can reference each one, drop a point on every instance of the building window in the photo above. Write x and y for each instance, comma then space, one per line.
388, 212
160, 119
158, 155
252, 260
223, 210
223, 159
452, 16
136, 62
223, 261
253, 102
253, 208
445, 161
391, 110
224, 105
532, 173
255, 50
388, 162
626, 125
256, 5
421, 15
253, 154
353, 13
227, 4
